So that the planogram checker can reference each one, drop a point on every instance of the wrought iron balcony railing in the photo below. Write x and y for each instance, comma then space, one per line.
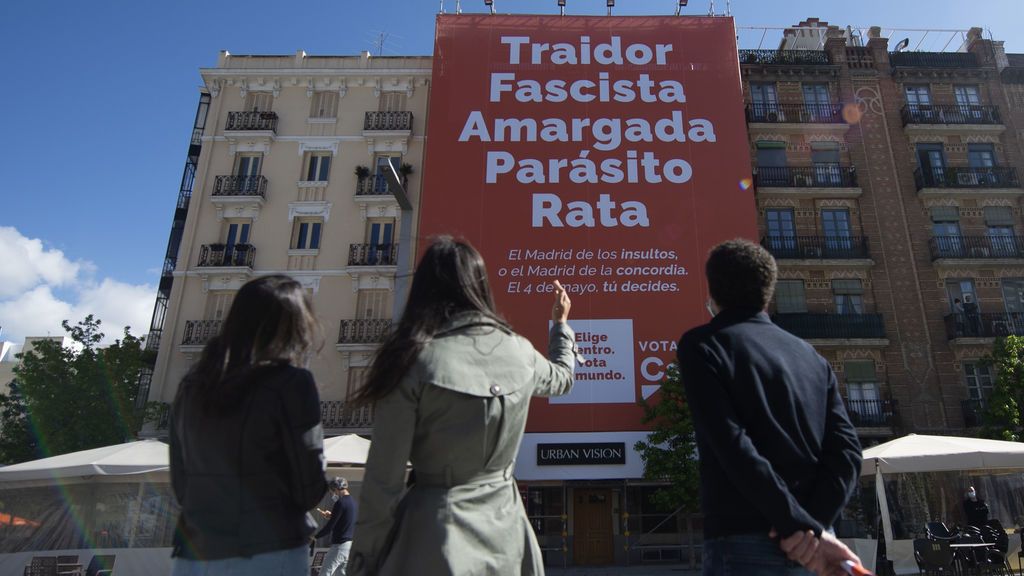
988, 325
387, 121
933, 59
785, 57
794, 113
223, 255
977, 247
252, 121
964, 177
199, 332
974, 412
871, 413
372, 254
817, 247
341, 414
950, 114
813, 326
373, 185
240, 186
820, 176
363, 331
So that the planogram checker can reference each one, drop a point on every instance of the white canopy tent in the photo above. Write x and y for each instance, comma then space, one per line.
917, 453
142, 457
346, 449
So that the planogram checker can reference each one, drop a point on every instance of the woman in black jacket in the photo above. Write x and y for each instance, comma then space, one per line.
246, 440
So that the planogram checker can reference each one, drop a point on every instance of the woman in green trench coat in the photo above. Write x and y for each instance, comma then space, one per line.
452, 386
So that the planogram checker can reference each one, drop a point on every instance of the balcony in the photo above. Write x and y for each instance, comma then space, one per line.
974, 412
373, 185
871, 413
199, 332
222, 255
240, 186
817, 247
794, 113
785, 57
251, 122
823, 176
933, 60
338, 414
387, 122
810, 326
950, 114
989, 325
373, 254
977, 247
964, 177
363, 331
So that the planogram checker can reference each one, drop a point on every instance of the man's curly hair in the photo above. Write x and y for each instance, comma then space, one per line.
741, 274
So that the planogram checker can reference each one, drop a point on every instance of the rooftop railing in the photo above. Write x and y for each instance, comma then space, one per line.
785, 57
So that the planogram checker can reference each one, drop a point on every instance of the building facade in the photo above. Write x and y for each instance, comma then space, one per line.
887, 185
289, 179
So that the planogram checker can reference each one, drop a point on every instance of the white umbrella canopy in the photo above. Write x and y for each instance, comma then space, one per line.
139, 457
923, 453
346, 449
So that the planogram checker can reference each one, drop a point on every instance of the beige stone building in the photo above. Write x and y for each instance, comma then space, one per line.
287, 177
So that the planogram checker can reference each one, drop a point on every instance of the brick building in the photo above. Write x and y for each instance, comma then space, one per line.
887, 187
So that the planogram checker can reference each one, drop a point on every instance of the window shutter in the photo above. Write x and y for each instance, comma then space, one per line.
998, 216
860, 371
945, 214
847, 286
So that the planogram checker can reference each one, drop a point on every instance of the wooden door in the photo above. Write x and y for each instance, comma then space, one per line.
592, 525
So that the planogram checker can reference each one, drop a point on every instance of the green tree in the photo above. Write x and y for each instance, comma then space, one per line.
17, 443
1003, 407
670, 451
82, 396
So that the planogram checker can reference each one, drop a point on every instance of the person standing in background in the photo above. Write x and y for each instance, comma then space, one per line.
342, 520
975, 509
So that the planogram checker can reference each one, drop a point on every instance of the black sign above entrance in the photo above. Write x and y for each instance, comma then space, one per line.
581, 454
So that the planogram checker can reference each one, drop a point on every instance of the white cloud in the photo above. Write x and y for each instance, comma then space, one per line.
29, 307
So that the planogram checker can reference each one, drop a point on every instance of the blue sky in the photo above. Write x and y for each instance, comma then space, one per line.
100, 98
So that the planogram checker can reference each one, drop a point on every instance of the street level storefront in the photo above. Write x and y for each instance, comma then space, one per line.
589, 505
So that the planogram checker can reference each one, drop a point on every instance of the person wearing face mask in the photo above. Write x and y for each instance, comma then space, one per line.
975, 508
342, 521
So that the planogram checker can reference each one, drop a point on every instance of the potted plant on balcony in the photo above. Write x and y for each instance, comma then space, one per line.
405, 170
362, 172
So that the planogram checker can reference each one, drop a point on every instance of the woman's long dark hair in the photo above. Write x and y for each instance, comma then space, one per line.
451, 279
271, 321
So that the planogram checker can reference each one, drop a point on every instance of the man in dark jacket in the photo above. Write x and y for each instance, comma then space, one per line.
342, 521
778, 455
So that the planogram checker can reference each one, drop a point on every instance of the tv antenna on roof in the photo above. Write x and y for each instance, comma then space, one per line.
378, 44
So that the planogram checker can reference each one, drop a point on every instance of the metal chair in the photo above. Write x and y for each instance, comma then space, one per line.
101, 565
934, 557
939, 531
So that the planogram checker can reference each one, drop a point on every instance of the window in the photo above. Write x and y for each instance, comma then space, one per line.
966, 97
979, 380
318, 166
932, 161
816, 101
961, 295
825, 157
236, 231
544, 507
392, 102
373, 305
382, 164
259, 101
862, 398
789, 297
324, 105
771, 164
849, 296
835, 224
1013, 299
980, 156
218, 302
919, 98
1000, 233
946, 227
306, 234
781, 230
764, 102
248, 164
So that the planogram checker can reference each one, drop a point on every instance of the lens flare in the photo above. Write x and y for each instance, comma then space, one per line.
852, 113
746, 184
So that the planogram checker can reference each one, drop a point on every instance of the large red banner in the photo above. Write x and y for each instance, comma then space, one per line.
607, 152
